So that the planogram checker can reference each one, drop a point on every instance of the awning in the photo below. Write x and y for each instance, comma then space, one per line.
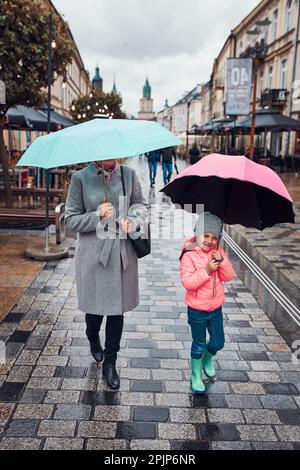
22, 117
268, 119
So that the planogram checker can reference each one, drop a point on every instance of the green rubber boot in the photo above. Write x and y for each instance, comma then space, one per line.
197, 385
208, 366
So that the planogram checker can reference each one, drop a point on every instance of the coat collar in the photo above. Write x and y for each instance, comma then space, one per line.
92, 168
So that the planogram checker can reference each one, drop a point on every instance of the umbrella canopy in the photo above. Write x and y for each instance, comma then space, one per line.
99, 139
268, 119
234, 188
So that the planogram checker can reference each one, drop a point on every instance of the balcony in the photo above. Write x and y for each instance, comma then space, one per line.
258, 51
274, 97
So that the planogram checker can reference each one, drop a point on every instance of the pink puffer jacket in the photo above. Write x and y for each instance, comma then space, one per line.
198, 284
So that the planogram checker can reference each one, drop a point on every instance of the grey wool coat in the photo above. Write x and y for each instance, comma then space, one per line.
106, 264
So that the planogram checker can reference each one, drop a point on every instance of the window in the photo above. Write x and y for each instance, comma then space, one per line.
288, 15
270, 77
275, 25
283, 74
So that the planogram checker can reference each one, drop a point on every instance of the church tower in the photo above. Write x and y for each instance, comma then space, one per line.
97, 82
146, 104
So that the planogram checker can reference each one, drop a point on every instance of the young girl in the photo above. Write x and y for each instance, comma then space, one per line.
203, 269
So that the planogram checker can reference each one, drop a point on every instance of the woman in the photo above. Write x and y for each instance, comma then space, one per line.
105, 261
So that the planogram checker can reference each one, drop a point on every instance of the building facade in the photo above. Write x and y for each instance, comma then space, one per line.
76, 81
272, 28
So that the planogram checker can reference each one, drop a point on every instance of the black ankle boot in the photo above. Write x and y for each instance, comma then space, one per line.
96, 350
109, 373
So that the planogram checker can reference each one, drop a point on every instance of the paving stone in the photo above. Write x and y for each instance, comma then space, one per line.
243, 401
260, 417
187, 415
33, 396
209, 401
102, 398
28, 357
11, 391
19, 374
169, 400
288, 433
189, 445
106, 444
144, 363
19, 337
277, 402
217, 387
231, 445
225, 416
174, 364
97, 429
154, 444
146, 386
22, 428
57, 428
112, 413
272, 446
33, 411
61, 396
150, 414
256, 433
44, 383
164, 354
138, 374
78, 412
20, 444
264, 366
244, 338
280, 389
232, 376
161, 374
289, 416
5, 413
263, 377
70, 372
247, 388
175, 431
233, 365
218, 432
143, 399
79, 384
52, 443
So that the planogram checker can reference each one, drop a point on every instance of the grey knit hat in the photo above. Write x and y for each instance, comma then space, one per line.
208, 223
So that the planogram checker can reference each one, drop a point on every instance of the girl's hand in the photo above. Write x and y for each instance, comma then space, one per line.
127, 225
212, 266
218, 257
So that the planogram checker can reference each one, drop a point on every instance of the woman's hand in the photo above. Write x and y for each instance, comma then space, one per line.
106, 211
127, 225
212, 266
218, 257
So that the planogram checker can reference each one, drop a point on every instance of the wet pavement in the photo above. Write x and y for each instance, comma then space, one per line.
52, 395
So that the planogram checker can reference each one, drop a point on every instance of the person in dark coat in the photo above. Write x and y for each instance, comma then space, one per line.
153, 159
194, 154
167, 162
106, 264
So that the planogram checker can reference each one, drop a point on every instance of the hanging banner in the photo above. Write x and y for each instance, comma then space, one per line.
238, 87
2, 93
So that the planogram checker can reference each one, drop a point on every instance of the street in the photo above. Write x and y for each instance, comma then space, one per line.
52, 395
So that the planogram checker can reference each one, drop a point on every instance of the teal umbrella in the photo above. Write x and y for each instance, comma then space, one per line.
99, 139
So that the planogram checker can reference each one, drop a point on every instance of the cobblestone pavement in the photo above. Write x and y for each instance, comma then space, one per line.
52, 395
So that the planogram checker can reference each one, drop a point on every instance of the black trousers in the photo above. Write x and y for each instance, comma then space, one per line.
113, 333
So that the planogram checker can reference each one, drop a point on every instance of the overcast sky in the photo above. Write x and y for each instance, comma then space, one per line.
173, 42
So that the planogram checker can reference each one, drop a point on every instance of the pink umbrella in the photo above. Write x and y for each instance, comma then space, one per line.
234, 188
